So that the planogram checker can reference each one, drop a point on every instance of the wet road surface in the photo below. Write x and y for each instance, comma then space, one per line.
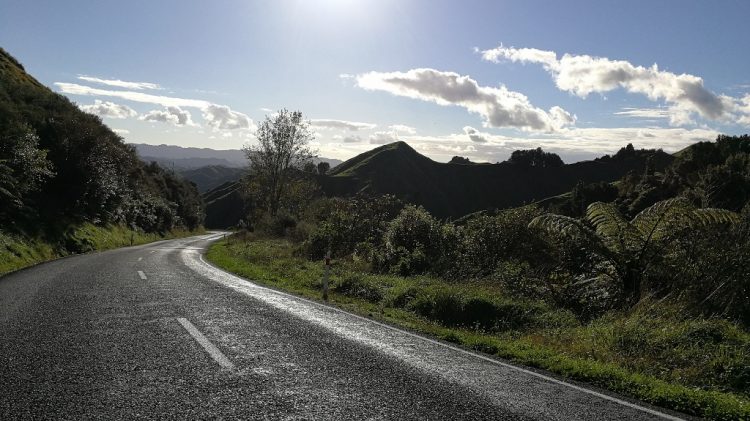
155, 332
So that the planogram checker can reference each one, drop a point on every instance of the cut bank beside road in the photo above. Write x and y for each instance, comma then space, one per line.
18, 252
651, 353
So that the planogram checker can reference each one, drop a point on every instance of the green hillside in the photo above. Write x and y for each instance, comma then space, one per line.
454, 190
61, 169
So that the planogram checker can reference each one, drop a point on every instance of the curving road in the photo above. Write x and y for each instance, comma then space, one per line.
154, 332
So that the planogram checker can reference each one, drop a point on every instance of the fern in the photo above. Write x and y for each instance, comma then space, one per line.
632, 245
714, 216
663, 219
561, 227
614, 230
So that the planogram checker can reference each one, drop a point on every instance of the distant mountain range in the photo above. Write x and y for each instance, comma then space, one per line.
178, 157
450, 190
211, 176
181, 158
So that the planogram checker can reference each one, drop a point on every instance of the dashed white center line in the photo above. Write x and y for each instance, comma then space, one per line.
212, 350
141, 274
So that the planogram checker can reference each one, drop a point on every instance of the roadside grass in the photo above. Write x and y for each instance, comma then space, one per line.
18, 252
655, 352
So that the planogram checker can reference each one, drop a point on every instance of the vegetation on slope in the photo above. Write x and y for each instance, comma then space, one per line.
61, 169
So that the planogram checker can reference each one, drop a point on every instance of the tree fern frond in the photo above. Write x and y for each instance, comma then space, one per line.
616, 232
664, 218
714, 216
561, 226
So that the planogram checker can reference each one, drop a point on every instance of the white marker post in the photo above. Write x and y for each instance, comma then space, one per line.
325, 276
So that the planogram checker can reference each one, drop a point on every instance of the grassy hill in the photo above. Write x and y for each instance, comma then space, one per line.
454, 190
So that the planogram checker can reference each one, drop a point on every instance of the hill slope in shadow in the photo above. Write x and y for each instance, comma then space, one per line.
455, 189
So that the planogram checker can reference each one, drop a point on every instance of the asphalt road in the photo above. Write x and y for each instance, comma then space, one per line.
154, 332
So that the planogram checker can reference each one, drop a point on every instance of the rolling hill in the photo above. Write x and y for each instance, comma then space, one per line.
450, 190
454, 189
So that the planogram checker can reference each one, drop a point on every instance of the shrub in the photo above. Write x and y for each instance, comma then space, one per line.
413, 242
346, 223
279, 225
710, 270
488, 240
356, 285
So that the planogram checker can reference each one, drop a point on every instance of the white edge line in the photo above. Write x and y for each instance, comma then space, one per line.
141, 274
464, 351
212, 350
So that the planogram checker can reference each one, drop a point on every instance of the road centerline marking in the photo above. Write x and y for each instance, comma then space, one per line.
141, 274
212, 350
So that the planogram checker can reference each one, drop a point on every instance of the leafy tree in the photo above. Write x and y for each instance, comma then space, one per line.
282, 148
535, 158
323, 167
23, 166
460, 160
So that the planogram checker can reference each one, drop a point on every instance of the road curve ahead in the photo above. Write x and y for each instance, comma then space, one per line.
154, 332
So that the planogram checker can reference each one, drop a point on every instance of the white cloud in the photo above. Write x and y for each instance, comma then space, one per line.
216, 116
523, 55
172, 114
348, 139
474, 135
400, 128
121, 131
166, 101
109, 109
499, 106
582, 75
341, 124
267, 110
381, 138
223, 118
744, 107
120, 83
647, 113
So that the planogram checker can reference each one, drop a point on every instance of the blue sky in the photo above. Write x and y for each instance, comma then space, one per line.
470, 78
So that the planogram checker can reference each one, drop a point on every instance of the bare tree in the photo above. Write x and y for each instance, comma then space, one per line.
282, 149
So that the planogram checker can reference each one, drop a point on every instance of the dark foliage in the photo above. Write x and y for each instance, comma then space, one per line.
535, 158
453, 190
345, 226
63, 166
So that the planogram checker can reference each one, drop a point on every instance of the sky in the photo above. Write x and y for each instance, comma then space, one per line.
471, 78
